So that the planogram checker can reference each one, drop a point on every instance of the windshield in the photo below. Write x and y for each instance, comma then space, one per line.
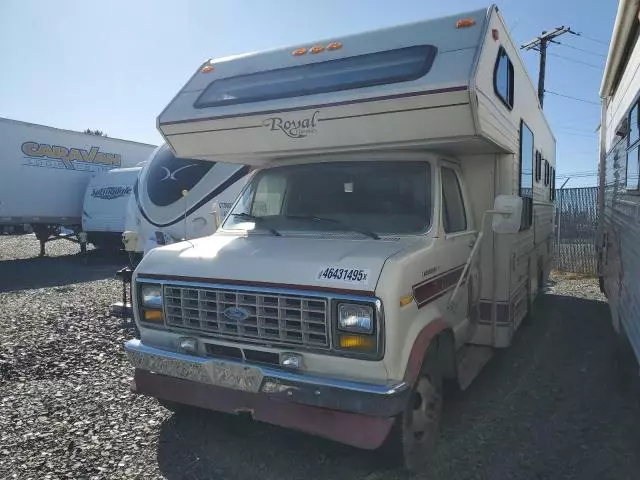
369, 198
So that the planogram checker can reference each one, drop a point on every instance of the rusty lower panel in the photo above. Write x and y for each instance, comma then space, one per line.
350, 428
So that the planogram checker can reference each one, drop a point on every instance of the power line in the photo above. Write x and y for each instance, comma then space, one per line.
587, 37
577, 61
582, 50
586, 135
572, 98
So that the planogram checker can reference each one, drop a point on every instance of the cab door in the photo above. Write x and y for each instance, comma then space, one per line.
459, 236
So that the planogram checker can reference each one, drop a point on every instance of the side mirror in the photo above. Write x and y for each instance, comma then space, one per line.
507, 214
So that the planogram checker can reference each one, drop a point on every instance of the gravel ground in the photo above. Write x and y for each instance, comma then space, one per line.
551, 406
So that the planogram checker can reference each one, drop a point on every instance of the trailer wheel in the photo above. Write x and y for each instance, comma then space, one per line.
413, 438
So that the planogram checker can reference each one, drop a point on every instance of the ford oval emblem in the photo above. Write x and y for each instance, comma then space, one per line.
236, 314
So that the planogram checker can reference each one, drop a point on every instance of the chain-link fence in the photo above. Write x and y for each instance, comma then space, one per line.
576, 225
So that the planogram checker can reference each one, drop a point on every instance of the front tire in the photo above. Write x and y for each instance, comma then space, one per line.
413, 438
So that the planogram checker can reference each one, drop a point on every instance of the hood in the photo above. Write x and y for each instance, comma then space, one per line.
293, 262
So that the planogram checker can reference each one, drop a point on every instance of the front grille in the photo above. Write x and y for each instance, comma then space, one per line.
271, 318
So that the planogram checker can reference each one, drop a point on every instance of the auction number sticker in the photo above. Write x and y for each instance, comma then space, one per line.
358, 276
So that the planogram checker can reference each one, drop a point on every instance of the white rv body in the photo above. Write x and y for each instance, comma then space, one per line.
106, 201
384, 159
619, 201
158, 207
46, 170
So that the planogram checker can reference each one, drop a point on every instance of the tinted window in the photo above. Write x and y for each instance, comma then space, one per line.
387, 197
526, 160
633, 125
392, 66
553, 183
632, 169
453, 214
503, 78
546, 172
538, 166
168, 176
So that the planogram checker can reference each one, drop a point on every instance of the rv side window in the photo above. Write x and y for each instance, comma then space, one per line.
526, 175
553, 183
538, 166
632, 169
453, 214
546, 173
380, 68
503, 78
526, 160
633, 126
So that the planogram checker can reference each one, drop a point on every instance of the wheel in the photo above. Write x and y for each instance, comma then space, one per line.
413, 438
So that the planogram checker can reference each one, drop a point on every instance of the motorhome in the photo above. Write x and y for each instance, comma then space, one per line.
105, 206
173, 200
46, 171
396, 231
619, 202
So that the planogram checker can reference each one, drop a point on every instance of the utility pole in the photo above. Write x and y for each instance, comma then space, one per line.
540, 44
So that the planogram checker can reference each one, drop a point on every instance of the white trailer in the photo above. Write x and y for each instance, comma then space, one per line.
619, 201
397, 230
46, 171
106, 201
173, 199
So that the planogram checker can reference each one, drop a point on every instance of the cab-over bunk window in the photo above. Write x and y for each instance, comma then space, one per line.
359, 71
526, 175
503, 78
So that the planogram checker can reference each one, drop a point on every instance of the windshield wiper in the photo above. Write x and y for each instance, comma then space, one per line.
351, 228
257, 220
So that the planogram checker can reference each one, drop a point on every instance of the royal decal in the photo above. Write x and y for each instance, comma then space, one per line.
70, 155
298, 128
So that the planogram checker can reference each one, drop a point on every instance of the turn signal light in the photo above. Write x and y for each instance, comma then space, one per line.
465, 22
153, 315
360, 342
206, 69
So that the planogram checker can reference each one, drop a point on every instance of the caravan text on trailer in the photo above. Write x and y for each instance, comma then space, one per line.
396, 230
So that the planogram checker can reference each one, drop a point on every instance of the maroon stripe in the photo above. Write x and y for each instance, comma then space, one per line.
335, 104
244, 283
435, 287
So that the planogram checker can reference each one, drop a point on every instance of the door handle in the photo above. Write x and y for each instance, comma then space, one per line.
472, 243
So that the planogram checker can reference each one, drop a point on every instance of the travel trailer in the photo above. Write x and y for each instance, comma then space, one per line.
46, 172
619, 202
396, 232
173, 200
105, 206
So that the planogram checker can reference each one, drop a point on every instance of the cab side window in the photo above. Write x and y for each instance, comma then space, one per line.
454, 216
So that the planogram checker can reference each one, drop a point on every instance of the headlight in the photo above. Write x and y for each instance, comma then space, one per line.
355, 318
151, 296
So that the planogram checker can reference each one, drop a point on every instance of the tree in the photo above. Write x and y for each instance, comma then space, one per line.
100, 133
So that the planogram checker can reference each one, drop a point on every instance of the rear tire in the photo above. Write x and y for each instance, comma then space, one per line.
413, 438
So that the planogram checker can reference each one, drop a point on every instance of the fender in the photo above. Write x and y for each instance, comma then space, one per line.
420, 347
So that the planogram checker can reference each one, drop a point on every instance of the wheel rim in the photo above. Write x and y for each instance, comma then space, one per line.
423, 414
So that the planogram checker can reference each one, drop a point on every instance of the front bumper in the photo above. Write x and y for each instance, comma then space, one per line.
356, 413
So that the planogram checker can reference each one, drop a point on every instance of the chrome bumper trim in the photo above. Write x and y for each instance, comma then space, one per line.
344, 395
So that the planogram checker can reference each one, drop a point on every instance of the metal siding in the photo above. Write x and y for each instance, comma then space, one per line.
621, 256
